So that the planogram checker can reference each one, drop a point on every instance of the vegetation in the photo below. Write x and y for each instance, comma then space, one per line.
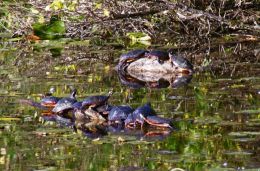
159, 19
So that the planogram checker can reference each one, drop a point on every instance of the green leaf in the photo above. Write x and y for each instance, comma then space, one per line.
48, 31
138, 36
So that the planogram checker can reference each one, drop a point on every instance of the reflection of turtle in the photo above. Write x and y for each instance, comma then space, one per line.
178, 63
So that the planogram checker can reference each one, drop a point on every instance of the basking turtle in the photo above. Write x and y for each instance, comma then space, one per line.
95, 101
119, 113
178, 63
145, 114
65, 103
46, 102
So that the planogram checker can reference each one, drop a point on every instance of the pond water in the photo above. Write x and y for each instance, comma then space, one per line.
217, 115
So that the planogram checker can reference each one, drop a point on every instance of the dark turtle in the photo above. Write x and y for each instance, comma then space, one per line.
65, 103
142, 112
126, 59
139, 115
182, 64
161, 56
119, 113
95, 101
46, 102
145, 114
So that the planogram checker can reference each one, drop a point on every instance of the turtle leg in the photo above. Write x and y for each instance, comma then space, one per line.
142, 126
129, 126
92, 106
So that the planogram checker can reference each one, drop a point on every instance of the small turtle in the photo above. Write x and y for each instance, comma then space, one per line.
119, 113
145, 114
139, 115
142, 112
95, 101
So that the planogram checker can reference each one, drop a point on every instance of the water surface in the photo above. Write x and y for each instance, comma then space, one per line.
217, 114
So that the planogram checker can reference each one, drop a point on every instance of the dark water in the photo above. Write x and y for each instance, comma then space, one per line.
217, 114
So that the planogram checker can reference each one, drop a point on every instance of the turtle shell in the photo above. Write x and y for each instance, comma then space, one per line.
119, 113
132, 55
142, 112
49, 101
77, 105
95, 100
160, 55
65, 103
158, 121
